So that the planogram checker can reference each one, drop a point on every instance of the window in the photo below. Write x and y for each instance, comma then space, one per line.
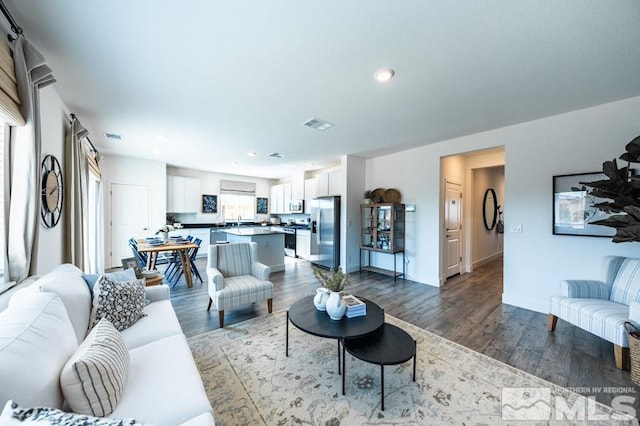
237, 200
236, 206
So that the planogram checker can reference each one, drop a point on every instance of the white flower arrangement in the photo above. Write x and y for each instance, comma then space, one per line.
165, 228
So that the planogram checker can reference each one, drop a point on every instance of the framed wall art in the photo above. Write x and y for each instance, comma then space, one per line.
209, 204
262, 205
573, 206
132, 262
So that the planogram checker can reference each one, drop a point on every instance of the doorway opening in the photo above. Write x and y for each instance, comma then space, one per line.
471, 245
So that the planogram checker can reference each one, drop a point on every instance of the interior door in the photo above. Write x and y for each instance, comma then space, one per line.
453, 228
129, 218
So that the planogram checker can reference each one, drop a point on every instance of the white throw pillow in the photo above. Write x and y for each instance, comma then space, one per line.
94, 377
14, 415
72, 289
121, 302
36, 340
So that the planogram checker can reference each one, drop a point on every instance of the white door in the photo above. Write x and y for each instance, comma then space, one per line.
129, 218
452, 228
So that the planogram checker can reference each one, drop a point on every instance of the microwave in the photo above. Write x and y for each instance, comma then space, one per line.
296, 206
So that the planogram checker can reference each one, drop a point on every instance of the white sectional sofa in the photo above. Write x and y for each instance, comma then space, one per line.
45, 323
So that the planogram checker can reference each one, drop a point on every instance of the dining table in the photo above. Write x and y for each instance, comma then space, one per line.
182, 250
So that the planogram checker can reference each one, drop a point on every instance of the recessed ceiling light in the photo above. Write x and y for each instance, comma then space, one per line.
252, 154
384, 75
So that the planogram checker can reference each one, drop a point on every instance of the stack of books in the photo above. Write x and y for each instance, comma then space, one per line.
355, 306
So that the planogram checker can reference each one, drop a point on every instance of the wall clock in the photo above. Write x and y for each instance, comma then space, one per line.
51, 206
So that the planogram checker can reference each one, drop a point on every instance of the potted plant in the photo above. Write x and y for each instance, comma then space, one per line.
367, 196
335, 282
623, 189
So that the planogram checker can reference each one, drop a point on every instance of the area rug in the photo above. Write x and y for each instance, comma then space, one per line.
250, 381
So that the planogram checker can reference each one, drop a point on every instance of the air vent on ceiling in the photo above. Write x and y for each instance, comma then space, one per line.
316, 123
277, 155
113, 136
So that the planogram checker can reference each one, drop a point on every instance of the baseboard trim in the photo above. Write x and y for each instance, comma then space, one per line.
486, 260
536, 305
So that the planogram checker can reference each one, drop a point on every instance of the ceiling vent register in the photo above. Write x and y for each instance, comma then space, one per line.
316, 123
113, 136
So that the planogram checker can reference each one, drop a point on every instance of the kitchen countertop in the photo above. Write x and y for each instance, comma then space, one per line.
266, 230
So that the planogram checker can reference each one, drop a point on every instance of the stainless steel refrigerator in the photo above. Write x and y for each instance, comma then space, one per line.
325, 232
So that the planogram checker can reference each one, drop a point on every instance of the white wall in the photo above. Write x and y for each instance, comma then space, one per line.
210, 184
353, 176
133, 171
534, 260
54, 117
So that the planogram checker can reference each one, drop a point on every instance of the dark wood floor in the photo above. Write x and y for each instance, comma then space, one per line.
467, 310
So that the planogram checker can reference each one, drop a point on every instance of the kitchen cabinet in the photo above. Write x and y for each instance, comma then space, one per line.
286, 190
303, 243
297, 186
277, 199
310, 192
335, 183
280, 198
183, 194
217, 234
382, 228
329, 184
323, 185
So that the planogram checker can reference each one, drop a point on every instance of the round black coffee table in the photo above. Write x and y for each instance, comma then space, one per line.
304, 315
389, 345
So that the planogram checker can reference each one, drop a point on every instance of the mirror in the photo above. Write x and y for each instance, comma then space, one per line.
490, 209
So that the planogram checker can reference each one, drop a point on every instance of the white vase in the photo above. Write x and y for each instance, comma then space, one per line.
320, 300
335, 306
163, 236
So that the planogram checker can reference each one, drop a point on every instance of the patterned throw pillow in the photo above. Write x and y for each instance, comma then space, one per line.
93, 379
121, 302
14, 415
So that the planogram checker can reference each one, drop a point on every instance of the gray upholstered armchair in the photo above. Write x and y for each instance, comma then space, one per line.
602, 307
236, 277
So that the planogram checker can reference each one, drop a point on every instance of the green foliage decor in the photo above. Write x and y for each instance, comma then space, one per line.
623, 189
332, 280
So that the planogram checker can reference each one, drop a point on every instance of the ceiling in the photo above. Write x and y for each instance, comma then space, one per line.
200, 84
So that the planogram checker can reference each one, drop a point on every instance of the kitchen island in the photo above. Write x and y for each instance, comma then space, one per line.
270, 244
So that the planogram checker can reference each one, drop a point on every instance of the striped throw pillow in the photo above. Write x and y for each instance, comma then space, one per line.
93, 379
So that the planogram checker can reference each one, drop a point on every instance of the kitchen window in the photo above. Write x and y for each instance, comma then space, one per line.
237, 200
234, 206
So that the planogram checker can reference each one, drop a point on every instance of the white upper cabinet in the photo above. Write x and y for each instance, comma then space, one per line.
297, 186
330, 184
183, 194
287, 197
310, 192
277, 199
323, 185
335, 183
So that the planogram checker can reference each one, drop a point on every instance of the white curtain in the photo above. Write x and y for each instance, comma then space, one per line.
76, 197
22, 176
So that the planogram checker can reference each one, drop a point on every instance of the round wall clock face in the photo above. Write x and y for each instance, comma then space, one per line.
51, 206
